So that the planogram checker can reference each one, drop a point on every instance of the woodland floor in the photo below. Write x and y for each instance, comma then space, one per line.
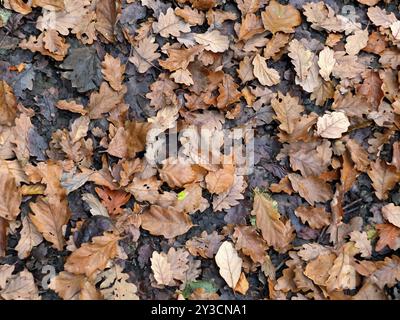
51, 157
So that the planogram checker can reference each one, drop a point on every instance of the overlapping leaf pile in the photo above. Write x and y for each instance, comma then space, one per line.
320, 88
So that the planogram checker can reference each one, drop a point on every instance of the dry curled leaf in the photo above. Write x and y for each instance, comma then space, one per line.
392, 214
332, 125
213, 41
266, 76
326, 63
8, 104
277, 232
11, 197
277, 17
93, 256
357, 42
49, 218
312, 189
170, 25
144, 53
30, 238
384, 177
251, 243
206, 245
316, 217
167, 222
74, 287
113, 71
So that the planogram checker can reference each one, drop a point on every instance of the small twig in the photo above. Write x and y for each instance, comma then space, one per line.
352, 203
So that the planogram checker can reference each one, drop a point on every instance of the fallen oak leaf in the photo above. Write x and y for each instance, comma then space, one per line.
276, 232
213, 41
251, 243
316, 217
206, 245
302, 59
228, 93
248, 6
94, 256
362, 243
115, 286
318, 269
183, 77
113, 71
106, 18
144, 53
19, 6
30, 238
343, 275
180, 58
242, 285
96, 207
312, 189
74, 287
221, 180
170, 24
230, 198
54, 43
384, 178
274, 47
332, 125
358, 154
11, 197
266, 76
113, 200
380, 17
326, 63
71, 106
392, 214
49, 219
104, 101
389, 235
277, 17
8, 104
192, 16
20, 286
357, 42
250, 26
387, 272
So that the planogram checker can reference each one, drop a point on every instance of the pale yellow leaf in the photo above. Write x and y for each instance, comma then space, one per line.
229, 263
266, 76
357, 42
213, 41
332, 125
162, 269
326, 62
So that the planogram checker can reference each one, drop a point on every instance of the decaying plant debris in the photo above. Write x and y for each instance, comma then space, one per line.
87, 88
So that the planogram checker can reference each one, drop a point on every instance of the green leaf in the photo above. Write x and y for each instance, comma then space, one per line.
182, 195
193, 285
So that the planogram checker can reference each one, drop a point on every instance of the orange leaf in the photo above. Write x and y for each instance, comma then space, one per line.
384, 178
93, 256
389, 235
113, 200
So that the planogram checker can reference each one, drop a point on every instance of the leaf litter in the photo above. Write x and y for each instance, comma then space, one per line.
89, 90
